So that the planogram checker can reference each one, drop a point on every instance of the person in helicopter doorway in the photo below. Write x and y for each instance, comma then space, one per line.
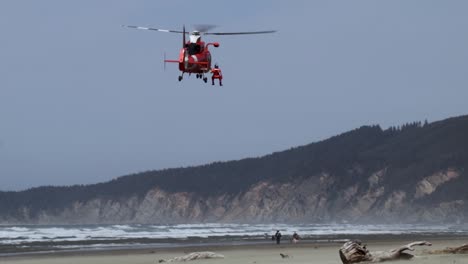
216, 71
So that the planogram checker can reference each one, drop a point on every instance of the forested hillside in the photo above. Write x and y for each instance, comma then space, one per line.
403, 158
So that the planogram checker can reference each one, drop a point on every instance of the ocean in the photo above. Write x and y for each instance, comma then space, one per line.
21, 239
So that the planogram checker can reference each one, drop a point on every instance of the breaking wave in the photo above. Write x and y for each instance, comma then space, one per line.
16, 240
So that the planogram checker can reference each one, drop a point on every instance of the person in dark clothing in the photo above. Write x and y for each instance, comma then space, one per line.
193, 48
278, 237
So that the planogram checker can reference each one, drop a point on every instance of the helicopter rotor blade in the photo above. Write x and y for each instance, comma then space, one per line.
203, 27
239, 33
155, 29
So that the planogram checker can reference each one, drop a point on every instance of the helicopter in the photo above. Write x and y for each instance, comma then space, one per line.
194, 56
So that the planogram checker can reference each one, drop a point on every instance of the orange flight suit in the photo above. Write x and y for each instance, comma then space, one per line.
217, 75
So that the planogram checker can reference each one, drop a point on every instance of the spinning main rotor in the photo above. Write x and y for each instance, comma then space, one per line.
202, 30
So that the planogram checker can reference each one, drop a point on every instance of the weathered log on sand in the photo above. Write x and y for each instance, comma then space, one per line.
451, 250
354, 252
193, 256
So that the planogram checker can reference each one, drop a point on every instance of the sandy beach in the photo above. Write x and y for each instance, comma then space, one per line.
304, 252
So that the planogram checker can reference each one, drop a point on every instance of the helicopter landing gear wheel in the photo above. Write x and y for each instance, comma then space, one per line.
205, 79
180, 78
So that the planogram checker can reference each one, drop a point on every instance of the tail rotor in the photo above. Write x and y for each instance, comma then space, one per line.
183, 37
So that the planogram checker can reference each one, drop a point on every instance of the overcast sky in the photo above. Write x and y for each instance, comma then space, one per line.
83, 100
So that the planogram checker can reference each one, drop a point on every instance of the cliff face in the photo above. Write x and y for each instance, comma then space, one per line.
366, 175
307, 200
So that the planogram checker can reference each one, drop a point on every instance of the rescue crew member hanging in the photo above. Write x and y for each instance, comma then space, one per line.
216, 71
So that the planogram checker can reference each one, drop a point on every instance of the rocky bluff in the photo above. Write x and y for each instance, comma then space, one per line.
412, 173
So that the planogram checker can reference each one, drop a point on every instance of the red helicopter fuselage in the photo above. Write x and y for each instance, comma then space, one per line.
195, 57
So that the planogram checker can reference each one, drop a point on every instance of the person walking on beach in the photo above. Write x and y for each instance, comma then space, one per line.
295, 238
278, 237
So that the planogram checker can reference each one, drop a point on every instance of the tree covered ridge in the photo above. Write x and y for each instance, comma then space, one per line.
408, 153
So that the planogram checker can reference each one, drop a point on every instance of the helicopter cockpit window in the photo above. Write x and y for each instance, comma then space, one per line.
193, 48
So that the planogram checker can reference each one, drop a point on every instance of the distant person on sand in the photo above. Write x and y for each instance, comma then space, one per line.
278, 237
295, 238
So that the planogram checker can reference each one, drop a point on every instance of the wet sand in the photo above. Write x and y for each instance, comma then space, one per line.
303, 252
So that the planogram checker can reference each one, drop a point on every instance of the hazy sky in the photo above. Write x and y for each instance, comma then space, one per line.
83, 100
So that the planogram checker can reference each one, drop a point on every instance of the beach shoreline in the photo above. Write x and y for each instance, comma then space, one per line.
89, 246
255, 252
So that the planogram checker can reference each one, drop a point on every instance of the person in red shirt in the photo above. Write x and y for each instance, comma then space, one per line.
216, 71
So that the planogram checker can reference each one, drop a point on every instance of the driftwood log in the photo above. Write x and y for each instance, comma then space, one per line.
451, 250
193, 256
354, 252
